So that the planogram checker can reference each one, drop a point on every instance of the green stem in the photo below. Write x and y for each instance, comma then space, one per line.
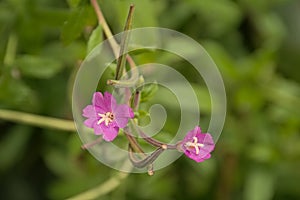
101, 20
37, 120
127, 83
113, 43
103, 188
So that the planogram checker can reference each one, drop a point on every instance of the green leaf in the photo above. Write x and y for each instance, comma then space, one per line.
259, 185
124, 44
78, 19
16, 94
73, 3
13, 146
95, 39
143, 113
148, 92
38, 67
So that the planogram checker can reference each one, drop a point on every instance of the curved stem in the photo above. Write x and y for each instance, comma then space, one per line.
126, 83
152, 141
146, 161
134, 144
103, 188
37, 120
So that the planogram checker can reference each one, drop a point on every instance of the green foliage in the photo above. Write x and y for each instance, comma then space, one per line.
95, 39
38, 67
255, 45
148, 91
79, 18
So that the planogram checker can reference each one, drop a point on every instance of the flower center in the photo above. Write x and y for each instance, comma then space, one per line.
106, 118
194, 145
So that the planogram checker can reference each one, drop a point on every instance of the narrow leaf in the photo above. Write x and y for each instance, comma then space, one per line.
73, 27
124, 43
95, 39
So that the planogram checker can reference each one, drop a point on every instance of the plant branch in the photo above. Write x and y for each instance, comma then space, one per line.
113, 43
101, 20
37, 120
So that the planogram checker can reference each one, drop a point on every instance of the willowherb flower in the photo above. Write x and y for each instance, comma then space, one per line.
105, 116
197, 145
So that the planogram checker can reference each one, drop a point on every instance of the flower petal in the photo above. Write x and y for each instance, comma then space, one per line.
110, 133
122, 113
197, 130
191, 134
89, 112
123, 110
90, 122
198, 153
109, 101
121, 121
98, 99
98, 129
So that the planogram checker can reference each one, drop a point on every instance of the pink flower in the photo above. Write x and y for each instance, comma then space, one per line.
197, 145
105, 116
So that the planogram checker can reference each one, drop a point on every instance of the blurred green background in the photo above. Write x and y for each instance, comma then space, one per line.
256, 46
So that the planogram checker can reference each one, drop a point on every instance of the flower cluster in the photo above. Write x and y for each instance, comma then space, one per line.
106, 117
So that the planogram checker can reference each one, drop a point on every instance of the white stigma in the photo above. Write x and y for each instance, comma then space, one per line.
195, 145
106, 118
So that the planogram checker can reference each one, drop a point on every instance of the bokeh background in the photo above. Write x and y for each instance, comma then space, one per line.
256, 46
